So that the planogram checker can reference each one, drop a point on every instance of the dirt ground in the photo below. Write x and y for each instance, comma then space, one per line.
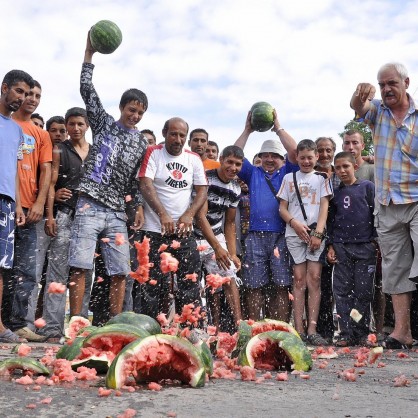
325, 394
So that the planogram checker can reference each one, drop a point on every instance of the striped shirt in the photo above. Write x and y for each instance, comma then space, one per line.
396, 151
221, 197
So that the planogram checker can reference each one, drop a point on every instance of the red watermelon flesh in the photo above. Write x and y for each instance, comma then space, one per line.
160, 361
268, 355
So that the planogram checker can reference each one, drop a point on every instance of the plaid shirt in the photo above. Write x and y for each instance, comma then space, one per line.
396, 153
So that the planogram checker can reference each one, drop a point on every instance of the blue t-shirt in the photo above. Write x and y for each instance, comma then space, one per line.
11, 139
351, 213
264, 207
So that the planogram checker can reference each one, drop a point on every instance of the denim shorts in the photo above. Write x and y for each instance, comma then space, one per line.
7, 227
94, 222
261, 266
300, 251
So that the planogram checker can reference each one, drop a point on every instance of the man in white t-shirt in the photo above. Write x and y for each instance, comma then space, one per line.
168, 176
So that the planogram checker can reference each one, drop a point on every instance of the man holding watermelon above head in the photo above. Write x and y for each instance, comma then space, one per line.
267, 262
110, 175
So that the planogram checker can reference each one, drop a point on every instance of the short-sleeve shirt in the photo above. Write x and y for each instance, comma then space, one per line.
264, 208
173, 178
221, 196
365, 172
210, 164
36, 150
312, 187
396, 153
11, 140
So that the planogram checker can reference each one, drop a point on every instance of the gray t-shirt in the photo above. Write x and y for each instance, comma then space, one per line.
365, 172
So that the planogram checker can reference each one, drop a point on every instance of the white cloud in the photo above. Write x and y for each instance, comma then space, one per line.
209, 61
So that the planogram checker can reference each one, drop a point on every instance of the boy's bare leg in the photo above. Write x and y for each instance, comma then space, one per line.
255, 303
214, 301
77, 291
116, 294
232, 297
299, 290
278, 303
313, 281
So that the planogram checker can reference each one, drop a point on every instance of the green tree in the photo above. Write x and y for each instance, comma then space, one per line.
365, 131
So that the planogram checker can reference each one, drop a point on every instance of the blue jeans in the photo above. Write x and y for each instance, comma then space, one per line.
23, 275
94, 221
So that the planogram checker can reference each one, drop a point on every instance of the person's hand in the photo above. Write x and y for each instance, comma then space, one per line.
236, 261
365, 91
314, 243
139, 219
301, 230
51, 227
276, 123
35, 213
331, 256
248, 128
223, 258
168, 226
20, 218
184, 225
61, 195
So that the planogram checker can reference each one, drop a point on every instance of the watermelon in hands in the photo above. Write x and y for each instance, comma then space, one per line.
105, 37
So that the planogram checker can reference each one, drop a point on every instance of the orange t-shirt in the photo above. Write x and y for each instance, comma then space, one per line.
36, 149
210, 164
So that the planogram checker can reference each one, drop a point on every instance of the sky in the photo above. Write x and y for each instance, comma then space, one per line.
209, 61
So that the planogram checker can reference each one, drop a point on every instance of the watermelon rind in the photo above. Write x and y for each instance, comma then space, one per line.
116, 330
115, 379
99, 362
86, 323
206, 356
70, 351
139, 320
244, 335
281, 326
25, 364
293, 346
105, 36
262, 118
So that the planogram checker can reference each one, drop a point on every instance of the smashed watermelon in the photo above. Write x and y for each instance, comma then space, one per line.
156, 358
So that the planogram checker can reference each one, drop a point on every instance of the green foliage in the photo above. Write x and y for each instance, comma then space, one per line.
365, 131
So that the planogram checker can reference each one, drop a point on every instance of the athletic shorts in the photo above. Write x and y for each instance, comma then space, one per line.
94, 222
7, 229
300, 251
261, 265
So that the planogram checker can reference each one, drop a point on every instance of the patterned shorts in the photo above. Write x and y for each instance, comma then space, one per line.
7, 231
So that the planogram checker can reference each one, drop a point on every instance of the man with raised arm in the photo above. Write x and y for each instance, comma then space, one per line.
394, 124
267, 260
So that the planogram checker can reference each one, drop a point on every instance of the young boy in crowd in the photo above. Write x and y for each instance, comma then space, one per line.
353, 251
305, 232
215, 229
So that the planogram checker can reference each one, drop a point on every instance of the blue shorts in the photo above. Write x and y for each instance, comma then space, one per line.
96, 222
261, 265
7, 228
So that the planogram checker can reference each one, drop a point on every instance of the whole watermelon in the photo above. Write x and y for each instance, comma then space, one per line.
105, 36
262, 118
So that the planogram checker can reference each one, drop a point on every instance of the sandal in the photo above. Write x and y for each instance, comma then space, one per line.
10, 337
341, 341
317, 340
391, 343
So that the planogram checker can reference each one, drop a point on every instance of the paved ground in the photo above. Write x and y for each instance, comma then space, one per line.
325, 394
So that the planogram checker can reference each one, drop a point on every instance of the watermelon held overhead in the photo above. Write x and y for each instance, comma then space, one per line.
105, 37
262, 118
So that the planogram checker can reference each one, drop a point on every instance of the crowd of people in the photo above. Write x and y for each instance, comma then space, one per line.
300, 233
